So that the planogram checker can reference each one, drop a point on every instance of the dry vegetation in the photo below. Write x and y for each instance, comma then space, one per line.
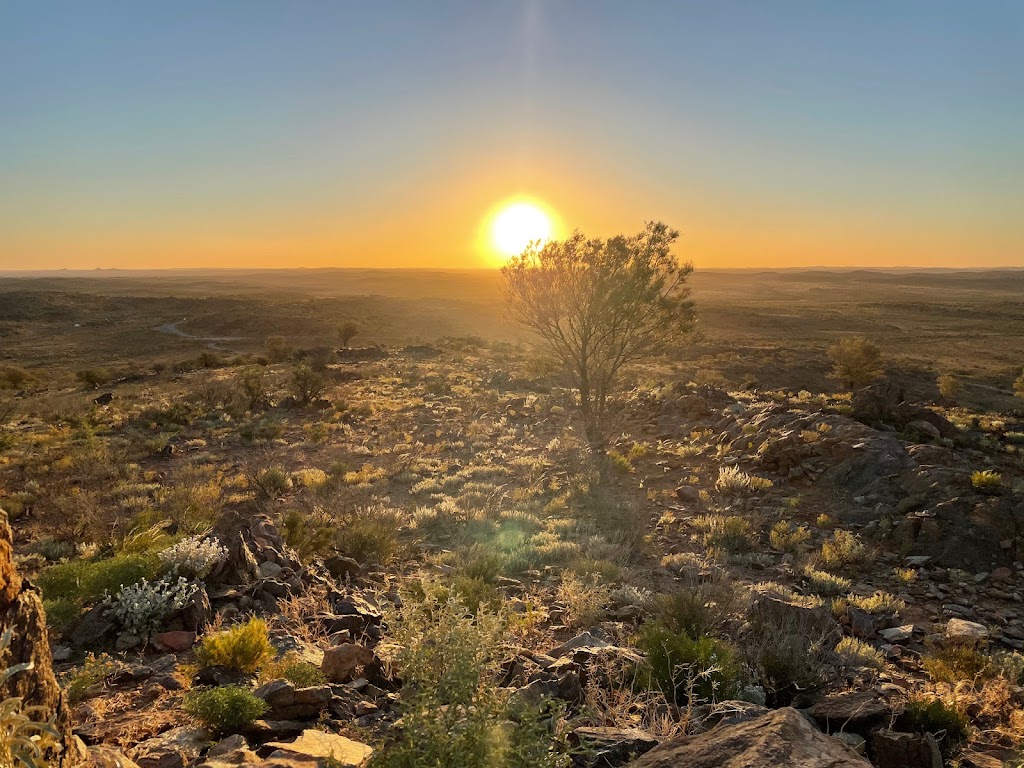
483, 532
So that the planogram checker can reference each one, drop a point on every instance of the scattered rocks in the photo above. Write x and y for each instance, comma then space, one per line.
287, 702
172, 749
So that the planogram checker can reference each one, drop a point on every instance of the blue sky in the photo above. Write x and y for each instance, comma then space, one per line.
342, 133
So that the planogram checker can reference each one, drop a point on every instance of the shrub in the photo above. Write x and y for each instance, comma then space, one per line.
857, 653
856, 362
842, 549
734, 480
695, 610
25, 740
272, 482
307, 384
277, 349
953, 662
789, 656
14, 377
948, 724
687, 671
142, 608
452, 709
371, 535
986, 481
245, 648
825, 584
732, 533
789, 539
94, 670
194, 557
300, 673
93, 377
949, 386
251, 384
226, 709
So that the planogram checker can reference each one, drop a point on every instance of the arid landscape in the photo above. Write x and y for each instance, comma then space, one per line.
398, 544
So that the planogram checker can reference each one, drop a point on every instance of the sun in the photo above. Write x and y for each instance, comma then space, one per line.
517, 224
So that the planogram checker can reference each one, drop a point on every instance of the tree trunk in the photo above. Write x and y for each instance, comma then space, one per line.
21, 610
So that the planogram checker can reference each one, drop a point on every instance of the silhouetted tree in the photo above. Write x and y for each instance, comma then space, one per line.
347, 332
600, 304
856, 362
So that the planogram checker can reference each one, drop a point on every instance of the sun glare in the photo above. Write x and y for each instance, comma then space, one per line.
518, 224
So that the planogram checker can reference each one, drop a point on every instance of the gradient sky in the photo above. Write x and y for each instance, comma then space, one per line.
293, 133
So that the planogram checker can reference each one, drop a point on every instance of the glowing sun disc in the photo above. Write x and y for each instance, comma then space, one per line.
519, 224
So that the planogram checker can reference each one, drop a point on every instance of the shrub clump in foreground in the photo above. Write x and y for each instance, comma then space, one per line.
453, 711
245, 648
226, 709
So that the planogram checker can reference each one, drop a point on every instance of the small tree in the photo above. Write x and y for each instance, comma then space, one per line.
93, 377
252, 386
347, 332
14, 377
277, 349
856, 362
600, 304
307, 384
949, 386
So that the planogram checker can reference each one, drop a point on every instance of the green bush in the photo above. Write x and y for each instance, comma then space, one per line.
226, 709
82, 581
949, 725
789, 656
246, 647
678, 665
452, 709
842, 549
93, 377
954, 662
695, 610
94, 670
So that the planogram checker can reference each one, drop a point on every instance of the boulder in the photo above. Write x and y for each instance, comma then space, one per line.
341, 662
857, 711
104, 756
322, 746
175, 748
608, 747
286, 702
905, 750
782, 738
21, 612
961, 631
251, 539
174, 642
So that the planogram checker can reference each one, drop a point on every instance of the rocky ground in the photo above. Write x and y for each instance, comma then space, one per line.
754, 578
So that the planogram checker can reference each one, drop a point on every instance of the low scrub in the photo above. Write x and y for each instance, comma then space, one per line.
688, 671
226, 709
245, 648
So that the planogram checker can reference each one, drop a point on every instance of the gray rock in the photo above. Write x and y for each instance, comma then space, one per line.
905, 750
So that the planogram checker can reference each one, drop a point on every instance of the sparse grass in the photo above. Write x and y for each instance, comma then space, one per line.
986, 481
730, 533
300, 673
956, 662
733, 480
844, 548
93, 670
857, 653
789, 538
824, 583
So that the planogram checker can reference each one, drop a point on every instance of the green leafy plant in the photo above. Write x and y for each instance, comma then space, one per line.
686, 670
226, 709
245, 648
94, 670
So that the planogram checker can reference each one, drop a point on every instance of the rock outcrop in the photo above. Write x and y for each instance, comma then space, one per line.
783, 738
21, 610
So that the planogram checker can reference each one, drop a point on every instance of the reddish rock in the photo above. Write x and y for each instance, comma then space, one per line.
175, 642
